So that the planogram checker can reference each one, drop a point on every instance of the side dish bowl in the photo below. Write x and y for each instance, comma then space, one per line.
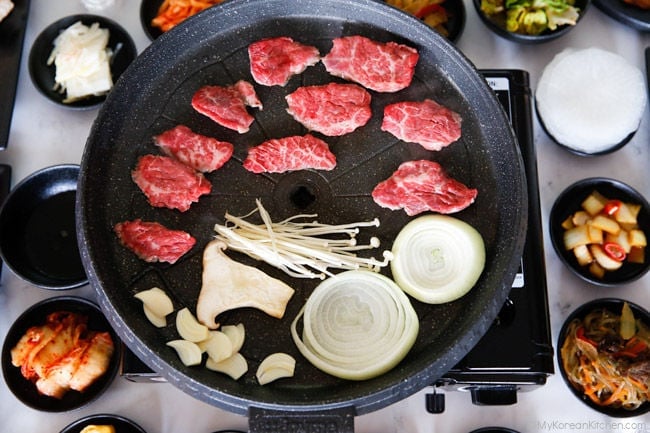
38, 239
614, 306
24, 389
43, 75
497, 23
120, 423
570, 200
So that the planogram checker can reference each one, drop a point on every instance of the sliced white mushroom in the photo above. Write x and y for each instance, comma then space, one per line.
237, 334
235, 366
189, 328
188, 352
228, 284
275, 366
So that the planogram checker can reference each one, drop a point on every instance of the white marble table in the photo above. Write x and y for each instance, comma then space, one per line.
43, 134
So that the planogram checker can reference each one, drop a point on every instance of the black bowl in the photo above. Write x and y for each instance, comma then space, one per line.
496, 23
148, 11
569, 201
614, 305
24, 389
123, 47
456, 18
120, 423
38, 240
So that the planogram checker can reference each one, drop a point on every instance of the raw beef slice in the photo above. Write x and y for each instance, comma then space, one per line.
290, 153
382, 67
204, 154
169, 183
227, 105
427, 123
153, 242
422, 185
333, 109
274, 60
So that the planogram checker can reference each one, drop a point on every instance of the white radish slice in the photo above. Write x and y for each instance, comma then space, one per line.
188, 352
235, 366
189, 328
590, 100
437, 258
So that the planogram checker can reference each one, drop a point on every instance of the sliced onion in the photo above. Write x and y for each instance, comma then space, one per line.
356, 325
437, 258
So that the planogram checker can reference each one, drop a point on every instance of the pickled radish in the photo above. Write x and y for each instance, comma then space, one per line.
590, 100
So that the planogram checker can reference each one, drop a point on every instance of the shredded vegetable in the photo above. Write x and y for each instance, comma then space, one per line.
82, 60
173, 12
356, 325
609, 369
299, 247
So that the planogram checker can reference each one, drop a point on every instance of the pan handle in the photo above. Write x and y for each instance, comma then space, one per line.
340, 420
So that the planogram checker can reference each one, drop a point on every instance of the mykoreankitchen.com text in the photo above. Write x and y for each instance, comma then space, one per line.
594, 426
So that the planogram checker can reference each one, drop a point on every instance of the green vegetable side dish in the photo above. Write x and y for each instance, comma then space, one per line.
531, 17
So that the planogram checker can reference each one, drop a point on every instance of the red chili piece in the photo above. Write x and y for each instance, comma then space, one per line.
614, 251
612, 206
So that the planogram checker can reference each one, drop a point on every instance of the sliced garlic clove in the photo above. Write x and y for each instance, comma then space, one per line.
218, 346
188, 352
234, 366
237, 334
275, 366
156, 300
189, 328
156, 320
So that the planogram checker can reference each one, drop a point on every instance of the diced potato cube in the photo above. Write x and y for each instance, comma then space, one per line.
634, 209
594, 203
621, 238
580, 218
583, 255
637, 255
576, 236
625, 215
595, 235
606, 224
637, 238
596, 270
568, 223
603, 259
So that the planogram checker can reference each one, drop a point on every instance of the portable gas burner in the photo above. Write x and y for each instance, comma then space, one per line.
516, 354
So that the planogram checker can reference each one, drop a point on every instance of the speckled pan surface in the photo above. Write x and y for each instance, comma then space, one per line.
154, 94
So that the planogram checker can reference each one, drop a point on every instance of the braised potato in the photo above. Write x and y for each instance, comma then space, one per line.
604, 234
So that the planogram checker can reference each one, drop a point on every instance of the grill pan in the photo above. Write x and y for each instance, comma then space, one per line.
154, 95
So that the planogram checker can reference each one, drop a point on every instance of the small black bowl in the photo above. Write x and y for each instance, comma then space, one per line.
120, 423
148, 11
614, 305
456, 15
38, 240
42, 74
496, 23
569, 201
24, 389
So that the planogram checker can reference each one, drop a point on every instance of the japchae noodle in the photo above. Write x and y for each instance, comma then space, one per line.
610, 370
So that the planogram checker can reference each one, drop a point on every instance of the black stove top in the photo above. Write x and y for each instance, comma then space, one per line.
516, 354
